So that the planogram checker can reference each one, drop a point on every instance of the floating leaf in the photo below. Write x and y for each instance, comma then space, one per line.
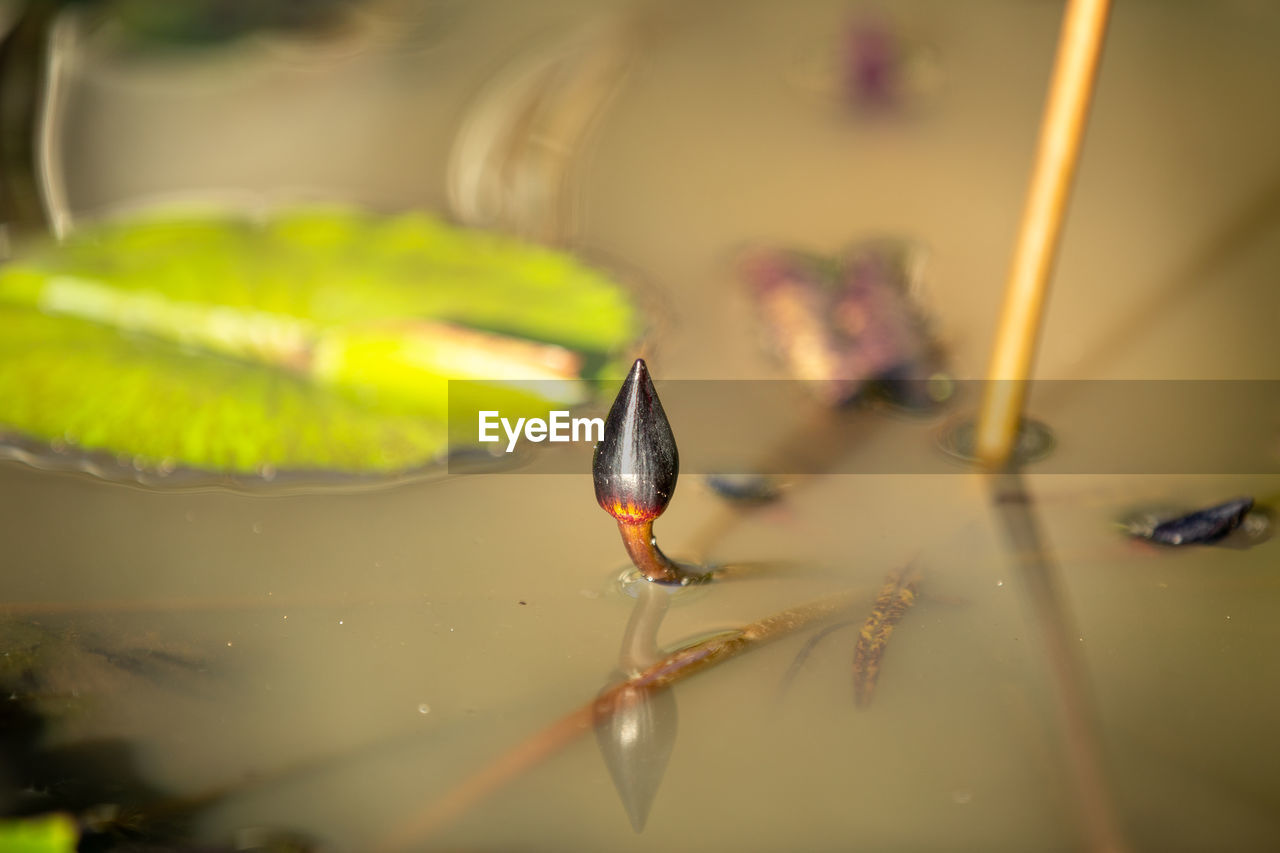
314, 340
55, 833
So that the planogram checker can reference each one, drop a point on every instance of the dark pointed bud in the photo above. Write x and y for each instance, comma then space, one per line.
636, 465
636, 731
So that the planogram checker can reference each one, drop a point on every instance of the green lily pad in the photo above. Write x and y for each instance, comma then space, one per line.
55, 833
315, 340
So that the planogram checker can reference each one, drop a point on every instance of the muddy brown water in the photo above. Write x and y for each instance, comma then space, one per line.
361, 653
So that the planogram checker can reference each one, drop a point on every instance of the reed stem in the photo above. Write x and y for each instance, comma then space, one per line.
1061, 132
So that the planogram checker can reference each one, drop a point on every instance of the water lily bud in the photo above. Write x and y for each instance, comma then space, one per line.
636, 465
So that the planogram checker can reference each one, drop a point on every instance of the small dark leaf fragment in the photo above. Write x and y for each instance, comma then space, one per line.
745, 489
1203, 526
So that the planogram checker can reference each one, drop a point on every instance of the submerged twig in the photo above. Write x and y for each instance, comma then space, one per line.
802, 656
896, 597
674, 667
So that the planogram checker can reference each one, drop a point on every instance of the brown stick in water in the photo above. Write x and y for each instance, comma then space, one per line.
672, 668
896, 597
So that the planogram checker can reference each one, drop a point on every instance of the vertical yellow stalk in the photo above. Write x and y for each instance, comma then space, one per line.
1061, 131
